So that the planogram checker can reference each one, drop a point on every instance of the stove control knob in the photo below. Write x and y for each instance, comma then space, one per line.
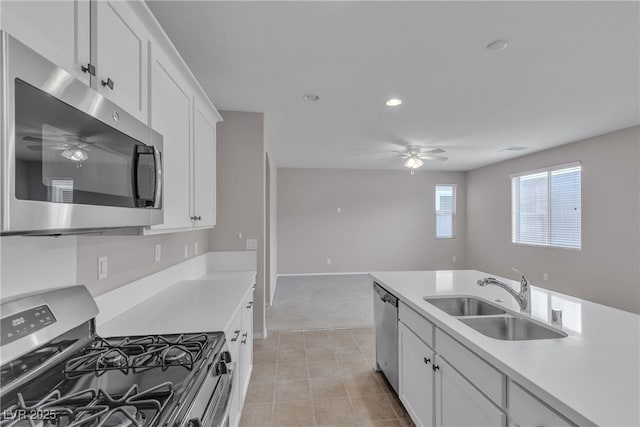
221, 368
225, 356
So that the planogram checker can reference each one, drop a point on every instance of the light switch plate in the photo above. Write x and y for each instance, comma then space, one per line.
196, 248
252, 244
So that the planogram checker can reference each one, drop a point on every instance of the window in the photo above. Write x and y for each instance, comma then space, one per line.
445, 210
546, 207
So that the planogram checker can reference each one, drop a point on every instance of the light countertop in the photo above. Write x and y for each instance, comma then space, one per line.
592, 375
205, 305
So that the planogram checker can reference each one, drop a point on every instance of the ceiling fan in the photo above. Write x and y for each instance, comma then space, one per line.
415, 154
71, 147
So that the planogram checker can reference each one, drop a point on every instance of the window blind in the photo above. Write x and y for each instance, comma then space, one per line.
546, 207
445, 210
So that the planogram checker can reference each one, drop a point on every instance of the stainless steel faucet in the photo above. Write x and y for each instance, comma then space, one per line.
523, 297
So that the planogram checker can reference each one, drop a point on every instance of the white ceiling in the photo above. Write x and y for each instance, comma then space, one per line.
571, 71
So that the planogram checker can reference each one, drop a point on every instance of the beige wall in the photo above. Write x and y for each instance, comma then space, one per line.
241, 193
132, 257
272, 228
606, 269
387, 221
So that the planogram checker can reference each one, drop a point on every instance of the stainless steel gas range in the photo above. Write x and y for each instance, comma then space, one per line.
57, 372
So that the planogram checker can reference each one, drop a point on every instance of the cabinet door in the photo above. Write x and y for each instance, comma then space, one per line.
120, 41
246, 346
204, 166
527, 411
58, 30
236, 401
416, 385
460, 404
170, 116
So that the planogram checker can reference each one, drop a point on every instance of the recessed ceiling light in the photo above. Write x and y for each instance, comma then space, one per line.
394, 102
498, 45
514, 148
311, 97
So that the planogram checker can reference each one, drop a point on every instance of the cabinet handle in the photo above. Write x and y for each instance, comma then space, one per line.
426, 361
108, 83
435, 367
250, 304
88, 69
235, 337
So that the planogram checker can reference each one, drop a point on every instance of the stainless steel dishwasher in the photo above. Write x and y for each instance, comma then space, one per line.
385, 313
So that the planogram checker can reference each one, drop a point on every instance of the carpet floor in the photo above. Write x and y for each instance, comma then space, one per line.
321, 302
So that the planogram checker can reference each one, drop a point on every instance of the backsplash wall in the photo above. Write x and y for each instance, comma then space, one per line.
30, 264
132, 257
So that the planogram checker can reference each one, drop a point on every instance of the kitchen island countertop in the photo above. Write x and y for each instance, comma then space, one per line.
592, 375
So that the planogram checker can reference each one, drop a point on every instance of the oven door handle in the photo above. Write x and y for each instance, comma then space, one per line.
157, 160
213, 416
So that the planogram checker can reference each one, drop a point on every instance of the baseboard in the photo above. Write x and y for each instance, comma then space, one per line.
347, 273
260, 335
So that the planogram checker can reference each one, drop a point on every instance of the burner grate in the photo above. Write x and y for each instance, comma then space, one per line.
137, 354
90, 408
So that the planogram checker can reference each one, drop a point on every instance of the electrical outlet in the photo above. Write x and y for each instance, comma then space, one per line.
328, 261
252, 244
196, 248
339, 210
545, 276
186, 251
158, 252
240, 235
454, 258
102, 267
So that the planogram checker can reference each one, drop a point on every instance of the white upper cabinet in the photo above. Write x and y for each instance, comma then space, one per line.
170, 116
119, 49
58, 30
121, 43
204, 165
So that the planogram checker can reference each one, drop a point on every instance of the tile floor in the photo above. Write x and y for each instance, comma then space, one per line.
320, 378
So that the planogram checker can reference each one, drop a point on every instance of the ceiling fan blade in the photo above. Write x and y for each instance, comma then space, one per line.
59, 147
429, 157
433, 151
32, 138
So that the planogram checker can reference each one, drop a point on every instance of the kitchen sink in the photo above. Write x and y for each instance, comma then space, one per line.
511, 328
465, 306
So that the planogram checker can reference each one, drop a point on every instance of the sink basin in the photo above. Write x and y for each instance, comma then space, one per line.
465, 306
511, 328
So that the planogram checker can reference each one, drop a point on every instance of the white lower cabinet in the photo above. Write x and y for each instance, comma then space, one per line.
527, 411
416, 377
447, 385
246, 345
459, 403
240, 342
233, 341
434, 393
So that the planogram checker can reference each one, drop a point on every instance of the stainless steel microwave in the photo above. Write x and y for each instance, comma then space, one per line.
72, 161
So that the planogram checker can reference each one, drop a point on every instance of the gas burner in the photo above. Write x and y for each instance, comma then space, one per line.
175, 354
90, 407
138, 354
113, 358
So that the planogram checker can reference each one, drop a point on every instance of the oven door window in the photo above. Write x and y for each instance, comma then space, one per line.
64, 155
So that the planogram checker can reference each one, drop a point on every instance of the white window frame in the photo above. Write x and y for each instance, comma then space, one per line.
547, 170
453, 211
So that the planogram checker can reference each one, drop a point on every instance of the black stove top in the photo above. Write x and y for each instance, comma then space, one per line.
124, 381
